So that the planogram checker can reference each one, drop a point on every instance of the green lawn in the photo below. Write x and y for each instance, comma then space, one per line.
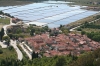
4, 21
8, 53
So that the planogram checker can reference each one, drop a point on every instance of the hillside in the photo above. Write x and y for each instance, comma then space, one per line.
20, 2
13, 2
88, 59
86, 2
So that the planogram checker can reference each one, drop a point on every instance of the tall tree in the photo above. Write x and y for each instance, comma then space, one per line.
34, 55
61, 61
31, 32
7, 39
2, 33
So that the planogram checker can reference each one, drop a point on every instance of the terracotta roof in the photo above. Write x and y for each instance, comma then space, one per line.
63, 44
47, 54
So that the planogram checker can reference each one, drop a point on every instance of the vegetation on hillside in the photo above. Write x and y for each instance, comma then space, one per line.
21, 2
14, 2
54, 61
86, 2
92, 30
7, 52
88, 59
17, 32
4, 21
1, 34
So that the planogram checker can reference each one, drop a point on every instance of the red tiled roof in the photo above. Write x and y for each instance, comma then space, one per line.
47, 54
66, 52
64, 44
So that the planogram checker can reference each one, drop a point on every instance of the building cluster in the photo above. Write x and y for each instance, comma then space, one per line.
15, 20
74, 44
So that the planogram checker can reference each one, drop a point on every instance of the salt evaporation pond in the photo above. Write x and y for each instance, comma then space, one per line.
51, 13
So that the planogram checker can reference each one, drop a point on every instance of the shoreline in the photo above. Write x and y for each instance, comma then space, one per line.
36, 23
71, 23
81, 21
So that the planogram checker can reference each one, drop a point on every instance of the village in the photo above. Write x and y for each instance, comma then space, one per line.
61, 44
49, 45
50, 33
74, 44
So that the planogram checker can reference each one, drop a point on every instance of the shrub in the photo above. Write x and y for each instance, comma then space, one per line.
1, 51
10, 48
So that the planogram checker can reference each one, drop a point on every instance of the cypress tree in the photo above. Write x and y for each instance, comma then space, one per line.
2, 33
33, 55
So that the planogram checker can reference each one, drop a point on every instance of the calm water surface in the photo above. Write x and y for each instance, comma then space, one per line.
52, 13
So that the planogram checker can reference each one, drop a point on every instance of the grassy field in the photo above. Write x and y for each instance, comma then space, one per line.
8, 53
4, 21
81, 21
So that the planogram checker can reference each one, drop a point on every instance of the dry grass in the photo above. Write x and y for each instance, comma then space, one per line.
91, 30
13, 3
1, 26
81, 21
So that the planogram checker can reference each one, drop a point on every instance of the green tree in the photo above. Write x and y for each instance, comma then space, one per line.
60, 26
32, 32
2, 33
34, 55
61, 61
1, 12
96, 37
10, 48
46, 28
18, 31
83, 32
1, 51
10, 35
7, 39
79, 29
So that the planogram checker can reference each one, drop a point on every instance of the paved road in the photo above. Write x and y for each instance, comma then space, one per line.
19, 53
28, 48
5, 27
3, 45
73, 29
13, 43
26, 51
